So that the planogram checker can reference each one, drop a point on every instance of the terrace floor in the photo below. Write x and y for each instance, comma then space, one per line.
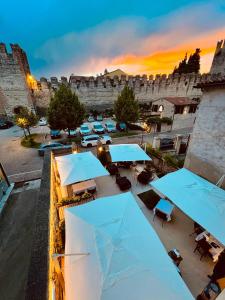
174, 234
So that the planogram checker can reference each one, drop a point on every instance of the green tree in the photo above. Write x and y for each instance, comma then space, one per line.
126, 108
25, 119
192, 65
194, 62
182, 67
65, 110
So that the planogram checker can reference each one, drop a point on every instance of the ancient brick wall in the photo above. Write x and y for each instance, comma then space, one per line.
14, 69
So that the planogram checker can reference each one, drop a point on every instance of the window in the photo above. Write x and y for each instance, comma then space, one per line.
155, 107
178, 109
192, 109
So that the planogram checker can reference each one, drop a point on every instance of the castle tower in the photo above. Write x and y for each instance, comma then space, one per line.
14, 73
218, 63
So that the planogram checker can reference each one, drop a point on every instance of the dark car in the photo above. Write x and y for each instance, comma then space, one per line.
121, 126
55, 133
51, 145
5, 124
166, 143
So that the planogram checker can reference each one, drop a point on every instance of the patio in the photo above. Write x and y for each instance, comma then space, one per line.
174, 234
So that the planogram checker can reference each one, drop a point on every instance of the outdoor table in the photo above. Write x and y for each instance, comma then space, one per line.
165, 207
83, 186
216, 247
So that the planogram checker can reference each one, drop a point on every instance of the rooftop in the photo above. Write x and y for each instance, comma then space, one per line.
180, 100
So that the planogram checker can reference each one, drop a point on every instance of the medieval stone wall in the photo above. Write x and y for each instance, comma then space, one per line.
101, 92
205, 154
14, 69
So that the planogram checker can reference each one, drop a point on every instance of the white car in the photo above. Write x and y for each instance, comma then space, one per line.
98, 128
92, 140
42, 122
84, 129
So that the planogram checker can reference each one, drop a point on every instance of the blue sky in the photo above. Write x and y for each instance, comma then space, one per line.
83, 37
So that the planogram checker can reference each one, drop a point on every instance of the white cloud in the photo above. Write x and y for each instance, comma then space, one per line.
91, 50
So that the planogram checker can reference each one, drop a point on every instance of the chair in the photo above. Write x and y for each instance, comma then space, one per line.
203, 248
124, 164
197, 229
123, 183
161, 215
113, 169
144, 177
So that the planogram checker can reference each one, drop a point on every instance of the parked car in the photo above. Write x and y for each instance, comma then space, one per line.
5, 124
84, 129
73, 132
51, 145
91, 119
121, 126
92, 140
99, 118
98, 128
55, 133
166, 143
110, 127
42, 122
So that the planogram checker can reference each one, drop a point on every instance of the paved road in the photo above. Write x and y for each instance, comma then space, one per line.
17, 159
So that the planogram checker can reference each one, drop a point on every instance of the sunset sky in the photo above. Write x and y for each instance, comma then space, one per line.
85, 37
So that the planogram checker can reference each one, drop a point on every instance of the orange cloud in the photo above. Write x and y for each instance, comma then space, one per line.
164, 61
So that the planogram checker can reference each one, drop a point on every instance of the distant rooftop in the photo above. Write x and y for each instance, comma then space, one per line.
180, 100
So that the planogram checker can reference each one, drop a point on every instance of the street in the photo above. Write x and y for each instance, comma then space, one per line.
22, 163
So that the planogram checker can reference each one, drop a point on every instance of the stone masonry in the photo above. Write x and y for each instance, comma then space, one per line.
218, 63
14, 71
206, 151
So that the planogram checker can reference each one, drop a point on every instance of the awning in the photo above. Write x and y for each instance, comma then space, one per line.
201, 200
127, 152
127, 259
79, 167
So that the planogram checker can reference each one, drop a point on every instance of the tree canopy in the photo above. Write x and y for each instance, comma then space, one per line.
65, 110
126, 108
25, 119
189, 65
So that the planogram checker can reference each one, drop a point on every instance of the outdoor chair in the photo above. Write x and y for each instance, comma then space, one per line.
123, 183
197, 229
161, 215
203, 248
125, 164
113, 169
144, 177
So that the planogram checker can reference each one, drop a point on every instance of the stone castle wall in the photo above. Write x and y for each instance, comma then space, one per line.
101, 92
14, 69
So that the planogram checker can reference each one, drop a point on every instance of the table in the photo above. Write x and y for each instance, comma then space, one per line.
83, 186
216, 247
165, 207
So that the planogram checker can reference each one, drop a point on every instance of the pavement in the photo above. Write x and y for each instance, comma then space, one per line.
22, 164
17, 224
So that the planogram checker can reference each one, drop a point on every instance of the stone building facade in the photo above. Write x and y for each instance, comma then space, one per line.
206, 151
181, 110
14, 77
218, 63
